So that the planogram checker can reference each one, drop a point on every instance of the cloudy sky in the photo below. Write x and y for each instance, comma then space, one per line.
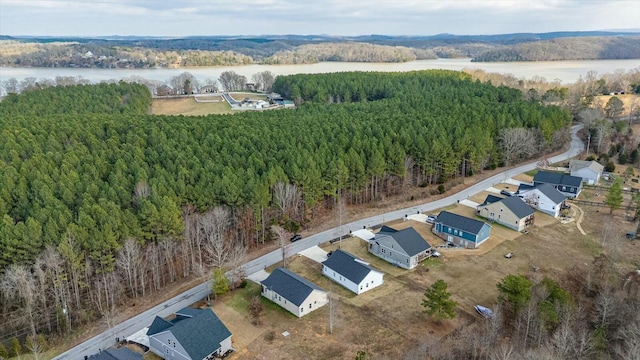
333, 17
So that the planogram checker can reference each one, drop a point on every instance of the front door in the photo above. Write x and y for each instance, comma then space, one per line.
449, 238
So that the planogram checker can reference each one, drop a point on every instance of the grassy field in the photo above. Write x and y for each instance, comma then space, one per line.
388, 320
188, 106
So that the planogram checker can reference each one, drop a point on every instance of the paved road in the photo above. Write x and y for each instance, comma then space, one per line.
128, 327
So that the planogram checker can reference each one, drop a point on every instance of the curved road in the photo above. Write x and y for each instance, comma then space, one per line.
130, 326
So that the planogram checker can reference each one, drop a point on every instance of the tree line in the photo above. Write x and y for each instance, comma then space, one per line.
101, 202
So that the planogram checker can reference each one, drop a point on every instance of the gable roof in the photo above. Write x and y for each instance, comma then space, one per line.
460, 222
408, 239
348, 266
116, 354
158, 325
290, 285
552, 193
525, 187
490, 199
575, 165
548, 177
199, 331
518, 206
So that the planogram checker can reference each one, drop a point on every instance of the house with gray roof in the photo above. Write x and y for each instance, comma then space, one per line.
569, 186
122, 353
589, 171
293, 292
511, 212
349, 271
404, 248
193, 334
461, 230
545, 198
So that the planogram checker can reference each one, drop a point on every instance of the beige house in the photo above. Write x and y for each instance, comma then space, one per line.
511, 212
293, 292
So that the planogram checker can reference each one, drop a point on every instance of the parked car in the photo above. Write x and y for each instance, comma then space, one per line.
431, 219
296, 237
506, 193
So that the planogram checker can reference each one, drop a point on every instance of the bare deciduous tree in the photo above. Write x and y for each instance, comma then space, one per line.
17, 284
213, 227
128, 261
517, 142
287, 197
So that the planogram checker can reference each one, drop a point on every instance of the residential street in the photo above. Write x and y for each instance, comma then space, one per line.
130, 326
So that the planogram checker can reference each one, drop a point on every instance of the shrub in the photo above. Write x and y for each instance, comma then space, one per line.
610, 167
441, 189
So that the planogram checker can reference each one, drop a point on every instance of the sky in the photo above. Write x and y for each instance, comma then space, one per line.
176, 18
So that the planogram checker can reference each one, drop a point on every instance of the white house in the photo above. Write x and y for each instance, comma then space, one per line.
351, 272
544, 198
194, 334
589, 171
293, 292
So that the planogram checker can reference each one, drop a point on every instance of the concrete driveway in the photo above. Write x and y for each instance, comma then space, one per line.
314, 253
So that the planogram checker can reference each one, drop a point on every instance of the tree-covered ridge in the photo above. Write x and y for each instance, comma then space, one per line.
121, 98
581, 48
101, 178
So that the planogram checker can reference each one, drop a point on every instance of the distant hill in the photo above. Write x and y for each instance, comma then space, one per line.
145, 51
574, 48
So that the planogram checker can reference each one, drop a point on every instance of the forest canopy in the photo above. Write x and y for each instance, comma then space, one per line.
88, 162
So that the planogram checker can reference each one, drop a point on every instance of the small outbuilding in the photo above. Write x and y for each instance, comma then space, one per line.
589, 171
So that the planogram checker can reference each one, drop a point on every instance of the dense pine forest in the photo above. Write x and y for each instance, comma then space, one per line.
93, 190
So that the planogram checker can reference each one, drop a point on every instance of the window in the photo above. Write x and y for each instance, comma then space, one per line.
361, 286
310, 306
301, 309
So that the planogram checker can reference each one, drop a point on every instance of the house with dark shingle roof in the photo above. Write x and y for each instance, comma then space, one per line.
404, 248
511, 212
569, 186
349, 271
195, 334
293, 292
122, 353
545, 198
461, 230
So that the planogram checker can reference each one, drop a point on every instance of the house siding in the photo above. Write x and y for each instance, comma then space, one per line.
505, 217
372, 280
588, 176
226, 345
166, 346
461, 237
391, 255
542, 203
314, 301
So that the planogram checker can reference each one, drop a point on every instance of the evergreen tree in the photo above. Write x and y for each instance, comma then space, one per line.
436, 302
614, 197
514, 290
219, 283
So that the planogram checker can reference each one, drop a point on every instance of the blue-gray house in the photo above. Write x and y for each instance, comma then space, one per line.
461, 230
569, 186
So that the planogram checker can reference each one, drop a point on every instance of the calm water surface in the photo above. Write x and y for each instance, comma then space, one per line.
564, 71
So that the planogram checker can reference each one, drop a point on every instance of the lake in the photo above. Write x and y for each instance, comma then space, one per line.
564, 71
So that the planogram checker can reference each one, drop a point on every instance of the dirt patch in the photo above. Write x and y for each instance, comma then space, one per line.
188, 106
